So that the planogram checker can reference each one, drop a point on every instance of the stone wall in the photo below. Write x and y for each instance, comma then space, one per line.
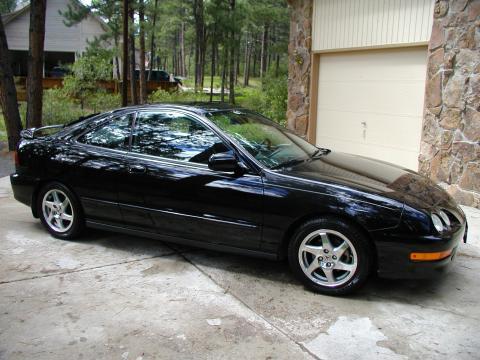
450, 147
299, 64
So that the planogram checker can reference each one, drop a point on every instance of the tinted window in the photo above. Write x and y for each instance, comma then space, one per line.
267, 142
175, 136
113, 135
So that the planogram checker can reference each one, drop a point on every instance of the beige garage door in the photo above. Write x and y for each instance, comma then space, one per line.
370, 103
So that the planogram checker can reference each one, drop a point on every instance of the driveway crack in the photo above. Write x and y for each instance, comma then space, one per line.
227, 290
88, 268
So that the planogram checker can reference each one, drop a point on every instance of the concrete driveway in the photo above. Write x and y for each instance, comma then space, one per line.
120, 297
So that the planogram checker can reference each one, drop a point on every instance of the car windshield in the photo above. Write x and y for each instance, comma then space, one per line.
270, 144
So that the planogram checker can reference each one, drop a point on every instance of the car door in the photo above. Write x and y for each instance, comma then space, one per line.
97, 159
170, 188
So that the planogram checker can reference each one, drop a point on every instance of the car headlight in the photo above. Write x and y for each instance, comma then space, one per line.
437, 222
445, 218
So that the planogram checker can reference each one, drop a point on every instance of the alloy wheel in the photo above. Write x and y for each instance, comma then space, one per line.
57, 210
327, 257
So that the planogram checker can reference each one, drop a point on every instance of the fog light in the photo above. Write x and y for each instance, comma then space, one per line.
430, 256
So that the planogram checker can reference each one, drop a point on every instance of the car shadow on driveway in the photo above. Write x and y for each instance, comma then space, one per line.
219, 266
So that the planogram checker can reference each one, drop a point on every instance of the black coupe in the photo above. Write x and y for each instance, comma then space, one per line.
229, 179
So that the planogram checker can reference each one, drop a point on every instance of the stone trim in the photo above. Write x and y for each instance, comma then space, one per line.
450, 145
299, 65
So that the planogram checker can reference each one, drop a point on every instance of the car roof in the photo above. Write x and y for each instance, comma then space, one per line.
196, 107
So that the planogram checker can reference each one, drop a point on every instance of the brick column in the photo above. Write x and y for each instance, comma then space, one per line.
450, 147
299, 65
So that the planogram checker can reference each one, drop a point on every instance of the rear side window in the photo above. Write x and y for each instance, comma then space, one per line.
114, 134
175, 136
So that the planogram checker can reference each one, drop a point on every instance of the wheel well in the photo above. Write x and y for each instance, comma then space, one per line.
37, 189
294, 226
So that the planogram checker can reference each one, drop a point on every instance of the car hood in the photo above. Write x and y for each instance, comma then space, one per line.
376, 176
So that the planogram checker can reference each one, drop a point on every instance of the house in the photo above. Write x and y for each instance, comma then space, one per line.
394, 80
62, 43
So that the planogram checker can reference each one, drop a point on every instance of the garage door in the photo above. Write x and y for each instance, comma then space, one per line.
370, 103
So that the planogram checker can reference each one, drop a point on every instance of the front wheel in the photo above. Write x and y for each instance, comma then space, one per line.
60, 211
330, 256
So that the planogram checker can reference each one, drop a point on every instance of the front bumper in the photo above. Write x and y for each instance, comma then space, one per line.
393, 254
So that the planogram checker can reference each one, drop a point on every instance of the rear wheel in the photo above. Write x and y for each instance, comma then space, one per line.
330, 256
60, 211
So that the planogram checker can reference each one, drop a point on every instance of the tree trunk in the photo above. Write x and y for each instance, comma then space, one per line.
231, 93
277, 65
174, 54
224, 71
143, 80
204, 52
254, 70
217, 62
192, 51
35, 63
214, 43
263, 56
237, 62
152, 40
246, 69
133, 80
117, 63
8, 94
199, 28
125, 55
181, 41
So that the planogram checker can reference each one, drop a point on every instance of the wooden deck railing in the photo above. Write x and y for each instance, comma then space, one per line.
111, 86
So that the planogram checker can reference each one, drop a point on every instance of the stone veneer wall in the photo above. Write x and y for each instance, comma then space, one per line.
299, 65
450, 147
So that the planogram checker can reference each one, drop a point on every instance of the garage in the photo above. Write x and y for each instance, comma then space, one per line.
370, 103
368, 77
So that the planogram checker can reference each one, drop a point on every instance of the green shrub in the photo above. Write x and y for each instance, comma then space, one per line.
276, 94
269, 100
59, 108
86, 71
162, 96
101, 101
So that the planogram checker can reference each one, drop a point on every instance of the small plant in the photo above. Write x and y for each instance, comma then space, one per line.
270, 99
102, 101
59, 108
85, 73
162, 96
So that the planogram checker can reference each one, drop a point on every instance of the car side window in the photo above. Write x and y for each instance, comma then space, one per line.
114, 134
175, 136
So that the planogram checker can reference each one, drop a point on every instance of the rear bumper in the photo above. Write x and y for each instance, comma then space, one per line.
23, 188
394, 255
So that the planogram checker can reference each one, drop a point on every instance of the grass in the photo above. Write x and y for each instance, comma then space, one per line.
217, 83
3, 130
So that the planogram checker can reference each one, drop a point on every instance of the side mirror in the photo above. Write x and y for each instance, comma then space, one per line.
225, 162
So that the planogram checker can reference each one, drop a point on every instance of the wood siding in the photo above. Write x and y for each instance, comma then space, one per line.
58, 37
352, 24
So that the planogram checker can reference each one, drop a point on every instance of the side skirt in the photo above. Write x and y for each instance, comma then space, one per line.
182, 241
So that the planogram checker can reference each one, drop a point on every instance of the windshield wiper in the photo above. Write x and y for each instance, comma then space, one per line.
320, 152
288, 163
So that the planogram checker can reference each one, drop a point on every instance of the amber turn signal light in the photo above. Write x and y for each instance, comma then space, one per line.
430, 256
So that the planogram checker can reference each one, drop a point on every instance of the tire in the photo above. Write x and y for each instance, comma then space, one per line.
330, 256
60, 211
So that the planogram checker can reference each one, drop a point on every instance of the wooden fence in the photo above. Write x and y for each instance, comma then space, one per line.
111, 86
